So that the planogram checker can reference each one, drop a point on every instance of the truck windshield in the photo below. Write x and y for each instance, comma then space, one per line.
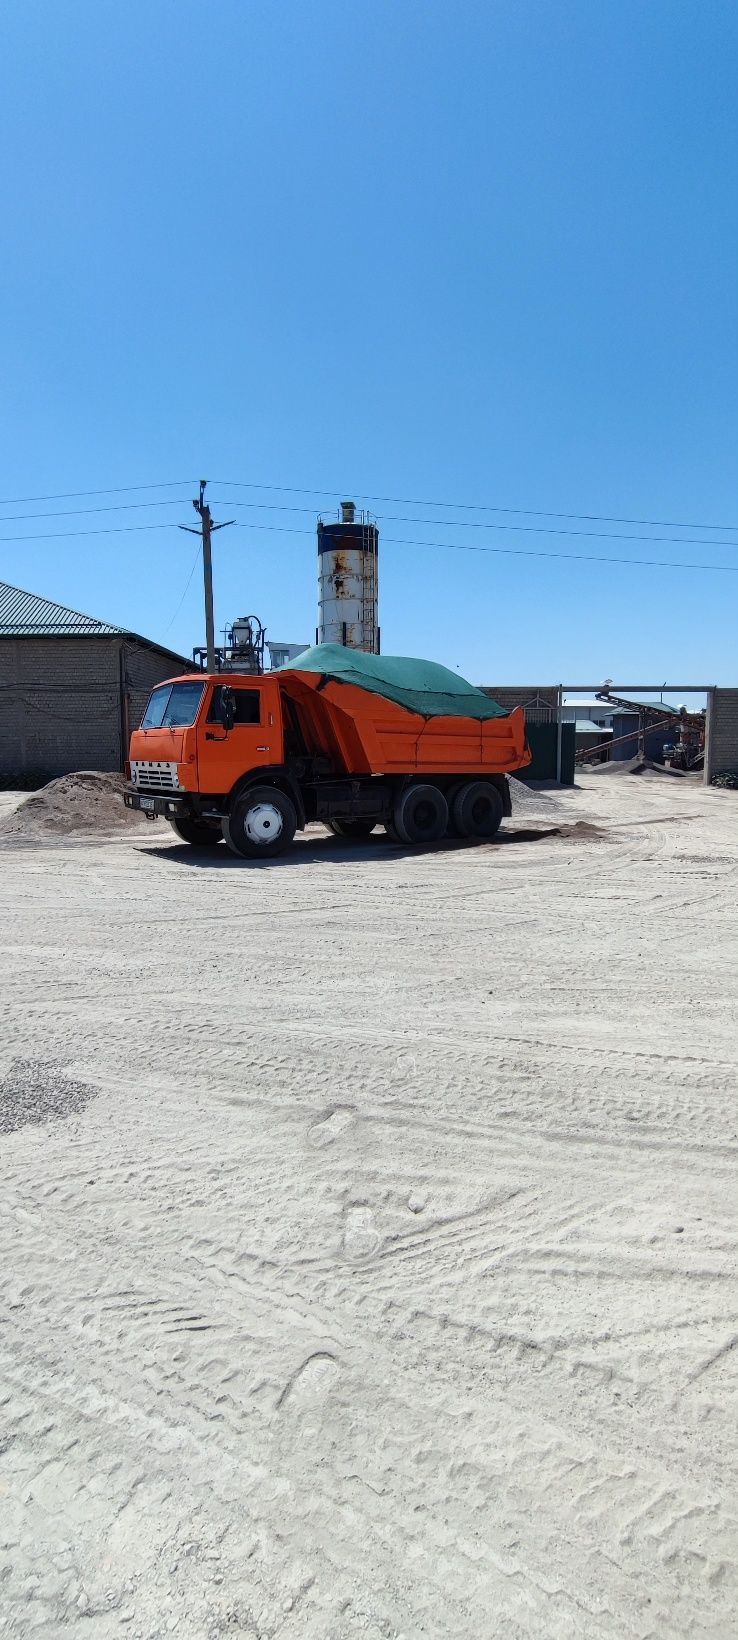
173, 706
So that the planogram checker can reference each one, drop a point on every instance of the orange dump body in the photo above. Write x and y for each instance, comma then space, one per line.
366, 734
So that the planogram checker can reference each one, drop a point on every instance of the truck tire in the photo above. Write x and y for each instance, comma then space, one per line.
477, 809
356, 830
452, 793
198, 833
421, 814
262, 823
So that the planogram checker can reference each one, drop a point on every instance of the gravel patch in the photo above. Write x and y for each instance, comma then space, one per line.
527, 800
637, 765
34, 1092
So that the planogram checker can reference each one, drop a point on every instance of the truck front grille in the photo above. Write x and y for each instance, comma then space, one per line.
155, 777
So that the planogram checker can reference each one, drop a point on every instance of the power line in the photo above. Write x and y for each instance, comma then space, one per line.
402, 501
119, 506
465, 506
399, 541
71, 495
184, 594
528, 552
68, 535
479, 506
578, 557
393, 518
538, 529
524, 529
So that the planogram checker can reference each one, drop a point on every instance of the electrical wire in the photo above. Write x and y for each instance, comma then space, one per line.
527, 552
72, 495
186, 590
528, 512
524, 529
479, 506
578, 557
119, 506
68, 535
519, 552
388, 540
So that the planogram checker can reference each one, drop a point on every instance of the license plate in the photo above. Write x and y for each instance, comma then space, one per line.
146, 802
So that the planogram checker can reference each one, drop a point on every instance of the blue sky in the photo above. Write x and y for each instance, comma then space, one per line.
471, 252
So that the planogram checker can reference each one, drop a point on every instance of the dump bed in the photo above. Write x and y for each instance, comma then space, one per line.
387, 714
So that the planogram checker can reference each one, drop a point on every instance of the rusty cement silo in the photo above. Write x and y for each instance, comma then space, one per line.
348, 581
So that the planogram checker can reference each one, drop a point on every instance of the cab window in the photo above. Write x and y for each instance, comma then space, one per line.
173, 706
247, 703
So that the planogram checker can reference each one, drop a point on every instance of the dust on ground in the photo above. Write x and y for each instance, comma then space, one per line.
387, 1285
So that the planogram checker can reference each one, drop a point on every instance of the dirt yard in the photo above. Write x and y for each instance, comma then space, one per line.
367, 1246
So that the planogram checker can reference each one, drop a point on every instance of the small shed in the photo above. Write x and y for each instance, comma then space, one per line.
71, 688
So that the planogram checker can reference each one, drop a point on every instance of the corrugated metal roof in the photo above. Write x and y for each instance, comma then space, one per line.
26, 615
663, 707
611, 708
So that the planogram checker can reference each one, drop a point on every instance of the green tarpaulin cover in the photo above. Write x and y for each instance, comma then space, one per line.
420, 686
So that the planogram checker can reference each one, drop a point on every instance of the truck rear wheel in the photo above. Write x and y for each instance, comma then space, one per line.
477, 809
354, 829
421, 814
198, 833
262, 823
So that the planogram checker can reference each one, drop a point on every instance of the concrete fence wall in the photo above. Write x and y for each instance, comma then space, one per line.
721, 751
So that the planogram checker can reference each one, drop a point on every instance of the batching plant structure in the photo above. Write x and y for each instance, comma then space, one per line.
348, 581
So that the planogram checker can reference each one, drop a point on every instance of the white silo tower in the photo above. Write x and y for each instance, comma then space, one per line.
348, 581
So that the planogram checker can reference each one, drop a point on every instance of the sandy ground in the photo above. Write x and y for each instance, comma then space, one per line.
377, 1277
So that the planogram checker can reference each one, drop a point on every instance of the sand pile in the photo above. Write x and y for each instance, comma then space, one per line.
75, 805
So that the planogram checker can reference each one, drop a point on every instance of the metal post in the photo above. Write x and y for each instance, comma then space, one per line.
709, 760
559, 730
207, 573
205, 531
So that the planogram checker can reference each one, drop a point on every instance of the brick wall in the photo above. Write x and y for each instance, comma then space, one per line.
722, 733
62, 703
59, 707
540, 699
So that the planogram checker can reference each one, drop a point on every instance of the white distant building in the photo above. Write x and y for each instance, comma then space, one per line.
280, 653
601, 712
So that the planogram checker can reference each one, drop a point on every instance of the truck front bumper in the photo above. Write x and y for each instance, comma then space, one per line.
171, 807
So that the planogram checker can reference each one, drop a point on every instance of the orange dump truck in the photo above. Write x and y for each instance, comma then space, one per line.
351, 739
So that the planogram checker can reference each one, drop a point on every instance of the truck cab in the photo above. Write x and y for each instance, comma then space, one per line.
198, 737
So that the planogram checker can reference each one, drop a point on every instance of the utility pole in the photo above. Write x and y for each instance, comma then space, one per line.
205, 532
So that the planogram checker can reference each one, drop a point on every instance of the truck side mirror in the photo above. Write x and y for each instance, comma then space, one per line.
227, 709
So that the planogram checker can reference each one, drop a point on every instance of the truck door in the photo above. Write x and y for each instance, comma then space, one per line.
223, 755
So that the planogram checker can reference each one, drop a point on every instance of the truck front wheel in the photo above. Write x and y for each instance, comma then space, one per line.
262, 823
198, 833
